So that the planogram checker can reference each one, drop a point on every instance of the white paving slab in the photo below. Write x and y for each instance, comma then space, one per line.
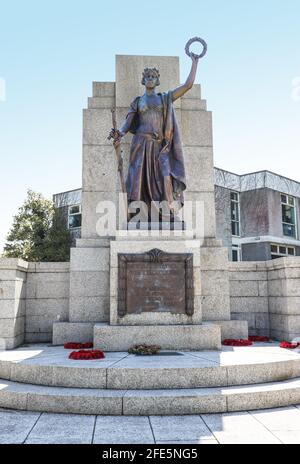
62, 429
229, 428
123, 430
201, 441
280, 419
180, 428
240, 428
288, 437
16, 425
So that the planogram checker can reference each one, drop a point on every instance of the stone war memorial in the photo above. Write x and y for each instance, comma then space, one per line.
148, 270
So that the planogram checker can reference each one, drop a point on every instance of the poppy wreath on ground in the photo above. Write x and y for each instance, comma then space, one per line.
87, 354
257, 338
144, 349
77, 346
288, 345
234, 342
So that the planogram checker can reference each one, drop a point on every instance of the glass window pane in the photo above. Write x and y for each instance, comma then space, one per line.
235, 255
274, 249
235, 229
289, 230
74, 209
291, 201
291, 251
282, 250
283, 199
234, 196
288, 214
75, 221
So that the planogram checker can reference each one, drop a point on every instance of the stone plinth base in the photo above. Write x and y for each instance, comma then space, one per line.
169, 337
233, 329
78, 332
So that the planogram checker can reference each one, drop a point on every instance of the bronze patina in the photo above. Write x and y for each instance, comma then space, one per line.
156, 170
155, 282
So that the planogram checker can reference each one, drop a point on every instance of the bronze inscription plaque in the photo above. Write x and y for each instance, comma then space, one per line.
155, 282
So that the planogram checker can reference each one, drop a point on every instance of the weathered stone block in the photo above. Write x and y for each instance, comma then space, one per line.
247, 275
89, 283
214, 258
277, 288
96, 126
64, 332
249, 304
179, 337
101, 102
90, 259
10, 289
215, 283
89, 309
215, 308
233, 329
243, 288
12, 308
10, 328
284, 305
200, 160
46, 288
248, 317
196, 128
99, 168
103, 89
262, 321
91, 201
193, 104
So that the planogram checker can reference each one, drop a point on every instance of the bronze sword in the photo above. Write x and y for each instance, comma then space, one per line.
118, 151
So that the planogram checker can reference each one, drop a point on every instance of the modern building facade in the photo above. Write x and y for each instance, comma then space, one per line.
257, 214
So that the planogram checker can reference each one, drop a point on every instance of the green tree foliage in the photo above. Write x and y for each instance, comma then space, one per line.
38, 232
58, 240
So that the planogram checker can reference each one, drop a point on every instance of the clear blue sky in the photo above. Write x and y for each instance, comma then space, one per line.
50, 52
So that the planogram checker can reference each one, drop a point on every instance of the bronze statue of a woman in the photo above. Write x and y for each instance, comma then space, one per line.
156, 166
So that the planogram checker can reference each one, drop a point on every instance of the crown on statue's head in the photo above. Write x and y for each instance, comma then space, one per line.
154, 71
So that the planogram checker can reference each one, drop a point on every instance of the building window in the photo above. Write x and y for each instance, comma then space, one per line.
235, 213
236, 253
74, 216
288, 215
278, 251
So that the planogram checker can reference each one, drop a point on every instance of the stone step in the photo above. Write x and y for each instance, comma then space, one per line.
50, 366
148, 402
169, 337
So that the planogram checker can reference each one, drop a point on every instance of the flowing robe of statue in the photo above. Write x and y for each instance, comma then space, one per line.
156, 165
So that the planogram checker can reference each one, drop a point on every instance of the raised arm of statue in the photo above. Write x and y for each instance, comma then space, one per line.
181, 90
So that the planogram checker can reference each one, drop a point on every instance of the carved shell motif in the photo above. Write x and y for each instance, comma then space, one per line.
155, 255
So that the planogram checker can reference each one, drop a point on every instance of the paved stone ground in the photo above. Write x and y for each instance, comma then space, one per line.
266, 426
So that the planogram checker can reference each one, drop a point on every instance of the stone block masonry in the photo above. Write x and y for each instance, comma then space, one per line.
248, 283
13, 274
267, 295
47, 299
